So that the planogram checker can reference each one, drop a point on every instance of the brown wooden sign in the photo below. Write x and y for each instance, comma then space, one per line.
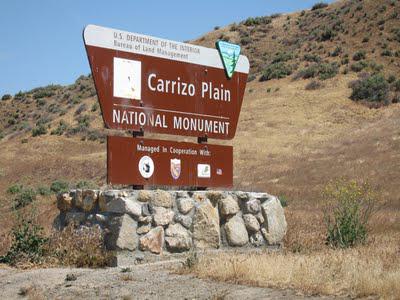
155, 85
139, 161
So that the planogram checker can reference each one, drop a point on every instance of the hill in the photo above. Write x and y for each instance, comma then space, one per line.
298, 129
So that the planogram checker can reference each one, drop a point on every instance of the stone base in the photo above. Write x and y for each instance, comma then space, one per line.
176, 221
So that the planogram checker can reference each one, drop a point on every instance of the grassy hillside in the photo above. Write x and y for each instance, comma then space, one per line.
298, 129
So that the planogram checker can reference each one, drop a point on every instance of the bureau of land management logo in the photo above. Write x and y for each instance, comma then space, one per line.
230, 55
127, 78
175, 168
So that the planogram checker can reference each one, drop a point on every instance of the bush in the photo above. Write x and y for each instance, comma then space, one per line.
313, 85
6, 97
81, 109
282, 57
245, 40
15, 189
387, 52
39, 130
79, 247
396, 85
312, 58
43, 191
59, 186
372, 88
359, 55
61, 128
326, 35
276, 71
359, 66
24, 197
348, 208
337, 51
83, 184
323, 71
319, 5
27, 242
94, 108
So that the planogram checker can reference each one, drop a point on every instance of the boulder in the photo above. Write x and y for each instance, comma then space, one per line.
275, 223
162, 216
153, 241
206, 232
214, 196
106, 197
145, 219
260, 218
177, 238
122, 233
242, 196
162, 199
64, 202
77, 198
228, 206
253, 206
143, 229
251, 223
185, 221
257, 239
89, 200
236, 233
144, 196
101, 218
124, 205
185, 205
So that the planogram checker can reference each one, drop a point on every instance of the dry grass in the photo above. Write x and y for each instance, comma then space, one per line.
312, 268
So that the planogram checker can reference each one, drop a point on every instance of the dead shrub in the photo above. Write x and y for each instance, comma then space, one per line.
80, 247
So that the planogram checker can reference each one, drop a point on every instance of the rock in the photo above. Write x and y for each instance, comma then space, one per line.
242, 196
214, 196
145, 220
182, 194
122, 234
257, 239
153, 241
177, 238
77, 198
146, 209
253, 206
143, 229
106, 197
275, 222
236, 233
185, 205
260, 218
228, 206
101, 218
206, 232
144, 196
64, 202
186, 221
251, 223
162, 216
125, 206
162, 198
75, 217
89, 200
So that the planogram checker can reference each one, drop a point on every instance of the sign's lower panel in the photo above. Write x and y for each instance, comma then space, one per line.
140, 161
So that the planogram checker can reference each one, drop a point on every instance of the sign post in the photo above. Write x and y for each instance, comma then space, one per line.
149, 84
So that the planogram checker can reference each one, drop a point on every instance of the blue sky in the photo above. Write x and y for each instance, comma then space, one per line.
41, 41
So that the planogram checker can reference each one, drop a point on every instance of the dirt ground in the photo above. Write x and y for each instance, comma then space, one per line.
147, 281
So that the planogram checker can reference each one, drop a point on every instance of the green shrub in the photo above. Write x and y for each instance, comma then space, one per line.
24, 197
276, 71
319, 5
283, 200
387, 52
39, 130
312, 58
396, 85
43, 191
94, 108
61, 128
326, 35
323, 71
83, 184
6, 97
28, 242
282, 57
359, 55
15, 189
59, 186
245, 40
337, 51
372, 88
348, 208
313, 85
359, 66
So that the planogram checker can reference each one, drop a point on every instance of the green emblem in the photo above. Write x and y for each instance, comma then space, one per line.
230, 55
